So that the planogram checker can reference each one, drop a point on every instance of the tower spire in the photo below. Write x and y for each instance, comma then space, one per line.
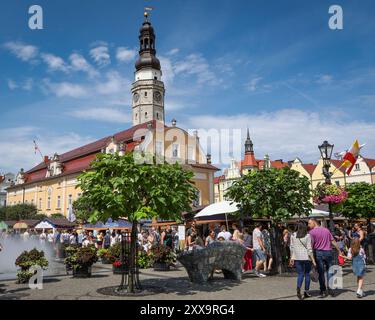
249, 147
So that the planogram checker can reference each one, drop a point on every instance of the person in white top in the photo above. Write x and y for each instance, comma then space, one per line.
302, 256
43, 238
224, 233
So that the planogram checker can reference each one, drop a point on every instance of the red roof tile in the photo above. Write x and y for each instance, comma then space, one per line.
309, 167
370, 162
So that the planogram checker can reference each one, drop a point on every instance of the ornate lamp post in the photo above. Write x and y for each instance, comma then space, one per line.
326, 150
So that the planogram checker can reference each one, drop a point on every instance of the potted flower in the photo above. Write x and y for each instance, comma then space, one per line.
163, 258
69, 259
81, 260
119, 267
114, 257
26, 260
330, 194
145, 259
103, 254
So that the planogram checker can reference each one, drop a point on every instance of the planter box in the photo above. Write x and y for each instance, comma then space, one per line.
82, 272
161, 266
120, 270
105, 261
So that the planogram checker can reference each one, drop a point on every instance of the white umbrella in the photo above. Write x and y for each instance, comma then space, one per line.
218, 208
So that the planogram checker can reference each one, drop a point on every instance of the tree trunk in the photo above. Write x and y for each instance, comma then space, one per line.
132, 276
277, 249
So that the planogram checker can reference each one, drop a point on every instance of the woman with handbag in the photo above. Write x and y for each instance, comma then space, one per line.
302, 257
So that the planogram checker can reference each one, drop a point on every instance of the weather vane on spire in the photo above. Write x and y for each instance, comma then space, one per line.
147, 10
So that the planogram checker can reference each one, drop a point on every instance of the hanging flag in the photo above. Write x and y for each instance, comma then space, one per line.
71, 215
351, 156
36, 148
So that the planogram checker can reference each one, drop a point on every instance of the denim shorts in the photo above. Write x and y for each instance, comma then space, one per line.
260, 255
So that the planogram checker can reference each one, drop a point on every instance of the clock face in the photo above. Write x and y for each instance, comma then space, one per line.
157, 96
136, 97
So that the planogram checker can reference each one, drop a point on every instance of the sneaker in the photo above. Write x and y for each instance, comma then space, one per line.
331, 293
360, 294
299, 295
306, 295
323, 294
260, 275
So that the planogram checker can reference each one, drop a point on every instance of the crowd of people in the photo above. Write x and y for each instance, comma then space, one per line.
308, 247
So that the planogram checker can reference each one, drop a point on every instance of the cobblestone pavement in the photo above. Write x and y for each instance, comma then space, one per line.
175, 285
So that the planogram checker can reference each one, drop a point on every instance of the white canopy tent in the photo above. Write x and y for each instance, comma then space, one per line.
223, 207
44, 225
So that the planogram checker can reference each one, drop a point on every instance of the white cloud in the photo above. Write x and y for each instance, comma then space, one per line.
106, 114
79, 63
23, 51
100, 54
196, 64
115, 84
26, 85
324, 79
291, 133
17, 149
252, 85
173, 51
124, 54
54, 63
66, 89
12, 85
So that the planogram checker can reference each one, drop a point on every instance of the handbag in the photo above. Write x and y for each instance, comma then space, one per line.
314, 275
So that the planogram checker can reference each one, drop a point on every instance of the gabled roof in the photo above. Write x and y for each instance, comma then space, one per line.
309, 167
370, 162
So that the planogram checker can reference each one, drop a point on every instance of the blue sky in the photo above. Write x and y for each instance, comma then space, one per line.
272, 66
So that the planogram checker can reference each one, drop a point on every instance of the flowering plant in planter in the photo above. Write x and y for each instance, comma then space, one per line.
117, 264
81, 259
163, 256
26, 260
329, 194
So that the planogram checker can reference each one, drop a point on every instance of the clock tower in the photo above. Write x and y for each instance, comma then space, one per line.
148, 89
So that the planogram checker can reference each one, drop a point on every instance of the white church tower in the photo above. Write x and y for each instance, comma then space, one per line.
148, 89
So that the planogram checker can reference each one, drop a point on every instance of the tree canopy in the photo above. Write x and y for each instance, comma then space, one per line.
273, 193
117, 186
20, 211
360, 202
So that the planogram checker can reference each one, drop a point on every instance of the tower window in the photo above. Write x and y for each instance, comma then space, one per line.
155, 78
157, 115
145, 93
146, 115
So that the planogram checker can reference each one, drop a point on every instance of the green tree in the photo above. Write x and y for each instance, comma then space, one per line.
360, 203
117, 186
277, 194
19, 212
82, 209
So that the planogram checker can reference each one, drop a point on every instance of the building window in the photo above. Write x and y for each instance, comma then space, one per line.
191, 153
146, 115
40, 204
145, 93
49, 203
70, 200
357, 167
157, 115
197, 201
58, 202
337, 183
175, 150
159, 147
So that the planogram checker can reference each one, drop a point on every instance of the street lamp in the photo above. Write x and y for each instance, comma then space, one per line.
326, 150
